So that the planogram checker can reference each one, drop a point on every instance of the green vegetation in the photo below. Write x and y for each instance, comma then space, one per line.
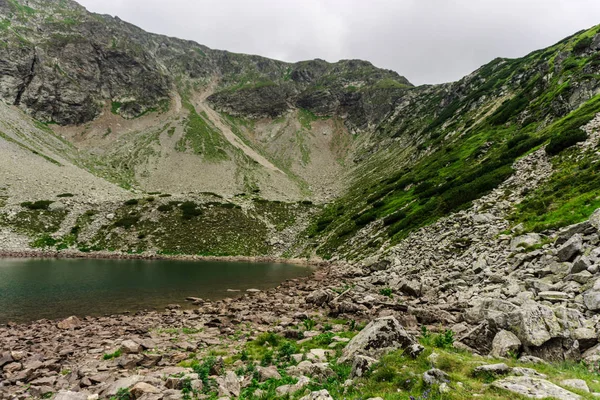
127, 221
37, 205
110, 356
203, 138
386, 292
115, 107
563, 140
64, 195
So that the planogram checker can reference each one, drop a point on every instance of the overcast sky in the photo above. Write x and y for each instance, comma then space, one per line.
428, 41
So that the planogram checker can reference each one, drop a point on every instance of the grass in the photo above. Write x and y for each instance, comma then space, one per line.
202, 138
110, 356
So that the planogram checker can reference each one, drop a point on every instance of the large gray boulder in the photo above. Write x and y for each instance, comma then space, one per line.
534, 388
534, 323
320, 395
381, 336
505, 343
570, 249
68, 395
527, 240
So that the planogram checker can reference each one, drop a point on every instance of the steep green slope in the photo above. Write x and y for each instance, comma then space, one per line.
467, 135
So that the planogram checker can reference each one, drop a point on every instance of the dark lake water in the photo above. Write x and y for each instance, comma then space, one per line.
32, 289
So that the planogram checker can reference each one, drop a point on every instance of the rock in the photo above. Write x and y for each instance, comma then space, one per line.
505, 343
69, 323
570, 249
142, 388
377, 338
583, 263
125, 383
521, 371
553, 296
534, 388
577, 384
591, 299
320, 297
557, 349
523, 241
531, 360
410, 288
320, 395
229, 385
595, 219
68, 395
5, 358
130, 347
435, 377
361, 365
533, 323
291, 389
307, 368
479, 338
493, 369
268, 373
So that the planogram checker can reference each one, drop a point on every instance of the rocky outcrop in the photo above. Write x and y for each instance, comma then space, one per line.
534, 388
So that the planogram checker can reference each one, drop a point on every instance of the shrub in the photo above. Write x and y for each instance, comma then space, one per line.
565, 140
44, 241
570, 64
38, 205
190, 210
127, 221
309, 324
65, 195
165, 207
286, 350
268, 337
386, 292
132, 202
582, 44
110, 356
123, 394
393, 218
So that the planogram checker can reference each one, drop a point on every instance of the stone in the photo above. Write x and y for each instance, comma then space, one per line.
266, 373
534, 388
130, 347
229, 385
581, 264
435, 377
591, 299
494, 369
291, 389
68, 395
125, 383
307, 368
142, 388
523, 241
69, 323
533, 323
5, 358
320, 297
577, 384
595, 219
505, 343
553, 296
522, 371
320, 395
570, 249
380, 336
361, 365
410, 288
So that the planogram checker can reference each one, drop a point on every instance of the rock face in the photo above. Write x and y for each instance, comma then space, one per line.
534, 388
377, 338
504, 344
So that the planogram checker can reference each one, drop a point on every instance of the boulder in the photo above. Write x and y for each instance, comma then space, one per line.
361, 365
492, 369
534, 323
320, 297
591, 299
570, 249
595, 219
130, 347
266, 373
291, 389
229, 385
527, 240
479, 338
69, 323
125, 383
142, 388
320, 395
377, 338
68, 395
577, 384
504, 344
534, 388
435, 377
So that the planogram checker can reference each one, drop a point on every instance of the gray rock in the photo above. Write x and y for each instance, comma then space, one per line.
591, 299
69, 323
553, 296
527, 240
494, 369
435, 377
126, 383
130, 347
504, 344
68, 395
577, 384
534, 388
320, 297
320, 395
142, 388
361, 365
534, 324
377, 338
570, 249
595, 219
581, 264
266, 373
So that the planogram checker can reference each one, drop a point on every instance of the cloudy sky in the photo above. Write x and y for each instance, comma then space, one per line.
428, 41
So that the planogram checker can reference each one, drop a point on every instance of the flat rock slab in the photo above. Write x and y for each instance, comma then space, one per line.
534, 388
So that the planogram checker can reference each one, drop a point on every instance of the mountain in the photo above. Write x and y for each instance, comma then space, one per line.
115, 139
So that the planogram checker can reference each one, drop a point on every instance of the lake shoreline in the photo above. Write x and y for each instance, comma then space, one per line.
314, 262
